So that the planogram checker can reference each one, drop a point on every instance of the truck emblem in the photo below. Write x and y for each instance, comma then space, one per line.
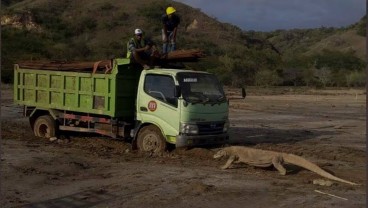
213, 126
152, 105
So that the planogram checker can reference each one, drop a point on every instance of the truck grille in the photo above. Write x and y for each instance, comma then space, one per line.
210, 128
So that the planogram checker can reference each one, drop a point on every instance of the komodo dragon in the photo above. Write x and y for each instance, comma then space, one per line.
266, 158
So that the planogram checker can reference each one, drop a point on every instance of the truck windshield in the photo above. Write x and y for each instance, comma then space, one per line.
200, 88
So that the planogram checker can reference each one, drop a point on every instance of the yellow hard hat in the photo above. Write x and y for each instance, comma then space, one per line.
170, 10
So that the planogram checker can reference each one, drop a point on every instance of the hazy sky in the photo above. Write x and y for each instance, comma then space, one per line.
266, 15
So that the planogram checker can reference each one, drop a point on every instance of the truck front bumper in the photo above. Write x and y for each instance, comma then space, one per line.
201, 140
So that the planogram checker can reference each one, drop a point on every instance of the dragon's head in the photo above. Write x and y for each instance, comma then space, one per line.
220, 153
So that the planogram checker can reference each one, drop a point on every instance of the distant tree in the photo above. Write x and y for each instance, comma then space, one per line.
309, 76
292, 75
324, 76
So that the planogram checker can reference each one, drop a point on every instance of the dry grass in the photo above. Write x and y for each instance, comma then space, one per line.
344, 42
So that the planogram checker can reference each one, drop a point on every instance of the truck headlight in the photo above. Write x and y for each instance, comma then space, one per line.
226, 126
188, 128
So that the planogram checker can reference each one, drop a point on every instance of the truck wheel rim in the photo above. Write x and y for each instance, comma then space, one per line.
151, 143
44, 130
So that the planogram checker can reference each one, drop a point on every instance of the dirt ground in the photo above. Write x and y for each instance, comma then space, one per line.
324, 126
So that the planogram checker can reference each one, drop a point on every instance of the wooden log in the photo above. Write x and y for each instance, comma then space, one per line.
67, 66
183, 56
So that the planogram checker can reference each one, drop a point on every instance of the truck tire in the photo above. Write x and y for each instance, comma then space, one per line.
44, 127
150, 139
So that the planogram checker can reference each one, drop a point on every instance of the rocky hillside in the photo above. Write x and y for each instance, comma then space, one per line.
99, 29
104, 26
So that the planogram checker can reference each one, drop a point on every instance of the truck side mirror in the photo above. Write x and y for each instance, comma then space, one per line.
177, 91
244, 94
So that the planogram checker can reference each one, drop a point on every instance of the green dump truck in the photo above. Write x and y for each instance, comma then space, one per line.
153, 108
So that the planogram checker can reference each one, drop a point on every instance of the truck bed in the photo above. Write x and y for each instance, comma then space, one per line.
87, 87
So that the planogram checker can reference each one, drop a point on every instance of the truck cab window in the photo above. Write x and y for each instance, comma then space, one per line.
161, 87
201, 88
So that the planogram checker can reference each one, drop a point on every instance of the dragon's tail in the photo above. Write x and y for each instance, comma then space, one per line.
299, 161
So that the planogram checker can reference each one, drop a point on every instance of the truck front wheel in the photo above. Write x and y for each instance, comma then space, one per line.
44, 127
150, 139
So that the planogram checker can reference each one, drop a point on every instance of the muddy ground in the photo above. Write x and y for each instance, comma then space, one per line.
324, 126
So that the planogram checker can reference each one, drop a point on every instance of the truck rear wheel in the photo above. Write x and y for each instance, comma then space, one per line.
44, 127
150, 139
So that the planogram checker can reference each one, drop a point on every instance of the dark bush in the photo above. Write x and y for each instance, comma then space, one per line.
361, 28
336, 60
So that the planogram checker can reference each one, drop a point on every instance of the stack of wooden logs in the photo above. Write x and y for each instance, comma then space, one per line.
104, 66
183, 55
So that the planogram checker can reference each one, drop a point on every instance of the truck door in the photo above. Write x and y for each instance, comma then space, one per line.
158, 105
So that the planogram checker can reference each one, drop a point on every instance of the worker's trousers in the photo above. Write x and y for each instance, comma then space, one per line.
169, 44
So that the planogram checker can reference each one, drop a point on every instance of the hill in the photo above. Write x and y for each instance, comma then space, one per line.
100, 24
344, 41
99, 29
311, 41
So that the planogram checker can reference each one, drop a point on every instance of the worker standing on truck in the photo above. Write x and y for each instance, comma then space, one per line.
170, 23
141, 50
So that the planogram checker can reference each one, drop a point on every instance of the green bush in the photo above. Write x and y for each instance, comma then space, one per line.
309, 77
154, 10
19, 45
119, 18
338, 78
292, 76
83, 24
356, 78
266, 78
336, 60
324, 76
361, 28
153, 13
107, 6
49, 16
9, 2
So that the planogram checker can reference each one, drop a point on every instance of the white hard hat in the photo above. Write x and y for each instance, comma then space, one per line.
138, 31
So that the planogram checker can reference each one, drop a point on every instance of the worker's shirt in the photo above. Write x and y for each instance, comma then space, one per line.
170, 23
136, 44
133, 44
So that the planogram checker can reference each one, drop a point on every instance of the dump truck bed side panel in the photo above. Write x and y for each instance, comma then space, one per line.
111, 94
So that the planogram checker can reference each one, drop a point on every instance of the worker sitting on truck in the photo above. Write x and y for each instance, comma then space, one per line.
141, 50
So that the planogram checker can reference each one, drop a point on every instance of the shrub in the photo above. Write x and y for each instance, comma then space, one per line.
292, 76
356, 79
309, 77
336, 60
267, 78
338, 78
362, 26
152, 14
324, 76
107, 6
